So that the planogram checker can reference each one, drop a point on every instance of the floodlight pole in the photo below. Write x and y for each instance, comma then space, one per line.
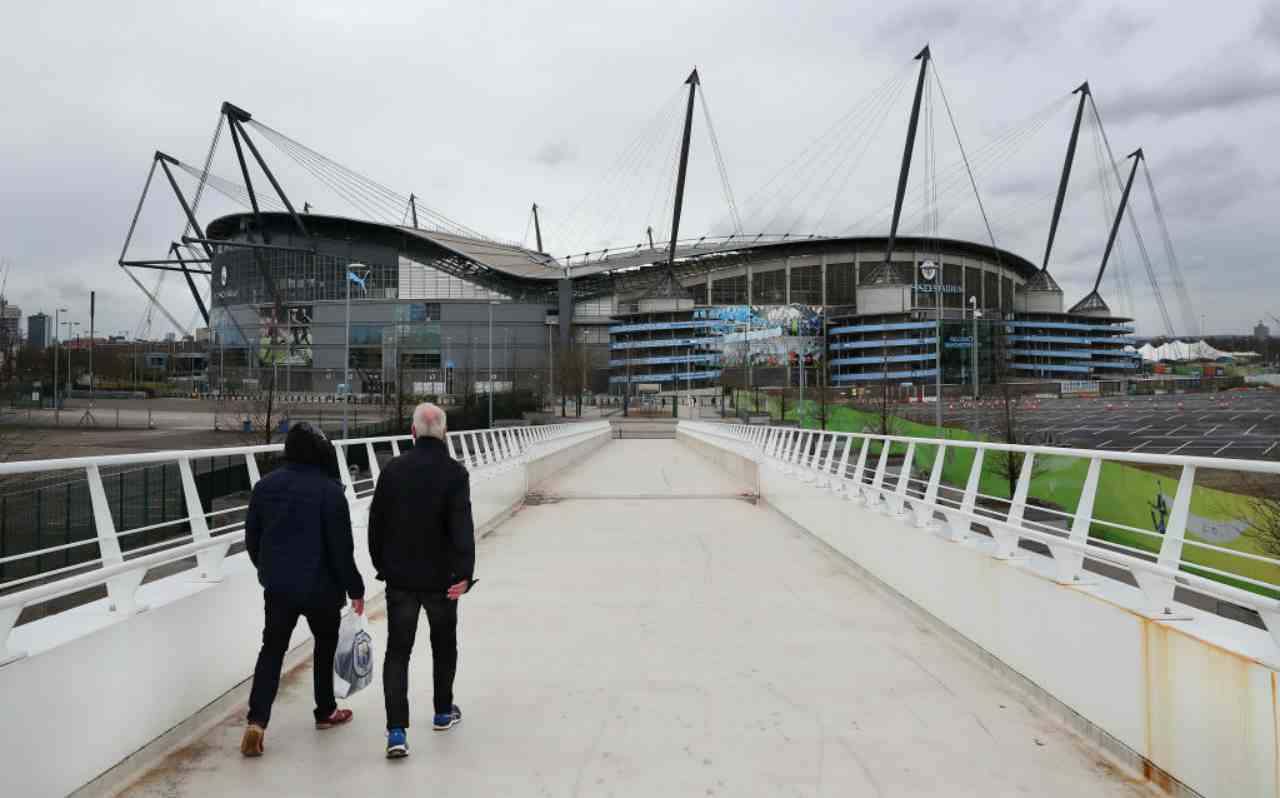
346, 360
491, 304
973, 300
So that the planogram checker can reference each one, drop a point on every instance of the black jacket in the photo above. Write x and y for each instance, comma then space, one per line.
420, 530
298, 534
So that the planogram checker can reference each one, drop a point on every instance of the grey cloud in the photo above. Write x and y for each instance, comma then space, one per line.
554, 153
972, 26
1225, 83
1119, 27
1268, 29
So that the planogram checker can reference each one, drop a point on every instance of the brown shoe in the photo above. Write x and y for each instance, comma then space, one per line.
339, 717
251, 742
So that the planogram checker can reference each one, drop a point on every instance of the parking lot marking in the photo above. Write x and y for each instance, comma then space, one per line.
1211, 429
1251, 429
1269, 448
1139, 446
1180, 448
1223, 449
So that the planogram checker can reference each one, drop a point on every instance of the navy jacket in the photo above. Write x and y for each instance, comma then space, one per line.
298, 534
420, 529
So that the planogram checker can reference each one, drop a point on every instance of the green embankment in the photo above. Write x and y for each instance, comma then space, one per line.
1124, 498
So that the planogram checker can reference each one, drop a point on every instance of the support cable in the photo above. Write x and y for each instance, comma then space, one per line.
724, 172
977, 195
859, 153
1188, 310
780, 183
815, 161
1133, 224
998, 149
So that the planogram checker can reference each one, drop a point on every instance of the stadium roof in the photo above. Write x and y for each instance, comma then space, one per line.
519, 264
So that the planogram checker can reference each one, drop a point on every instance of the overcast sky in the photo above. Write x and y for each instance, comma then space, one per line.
482, 109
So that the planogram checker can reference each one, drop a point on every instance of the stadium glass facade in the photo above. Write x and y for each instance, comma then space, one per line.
421, 316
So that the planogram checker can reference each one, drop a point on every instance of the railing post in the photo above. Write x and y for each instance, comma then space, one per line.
924, 510
9, 617
251, 465
960, 522
395, 447
838, 476
1158, 588
875, 496
208, 561
899, 501
1069, 561
122, 590
374, 470
825, 474
1008, 533
860, 468
343, 471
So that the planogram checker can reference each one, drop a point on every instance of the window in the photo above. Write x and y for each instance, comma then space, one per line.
841, 286
952, 292
991, 290
366, 358
423, 360
806, 285
769, 288
973, 285
366, 335
729, 290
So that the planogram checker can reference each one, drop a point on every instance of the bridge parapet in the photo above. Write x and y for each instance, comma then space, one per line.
1114, 635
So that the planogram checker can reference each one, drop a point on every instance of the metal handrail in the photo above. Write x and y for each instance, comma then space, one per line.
487, 453
811, 456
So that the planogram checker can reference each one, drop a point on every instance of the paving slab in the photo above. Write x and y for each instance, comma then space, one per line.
646, 647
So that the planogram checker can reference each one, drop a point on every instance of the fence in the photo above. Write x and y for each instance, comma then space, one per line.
117, 542
858, 466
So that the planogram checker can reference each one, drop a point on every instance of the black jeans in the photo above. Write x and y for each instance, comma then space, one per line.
403, 607
281, 617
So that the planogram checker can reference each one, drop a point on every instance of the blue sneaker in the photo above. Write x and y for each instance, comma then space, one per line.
447, 721
397, 744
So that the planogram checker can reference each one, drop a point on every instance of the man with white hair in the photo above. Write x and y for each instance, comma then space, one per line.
422, 542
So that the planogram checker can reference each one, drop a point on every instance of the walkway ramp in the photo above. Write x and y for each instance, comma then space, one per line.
622, 642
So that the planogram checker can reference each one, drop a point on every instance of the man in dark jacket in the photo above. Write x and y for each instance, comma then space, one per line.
298, 535
422, 543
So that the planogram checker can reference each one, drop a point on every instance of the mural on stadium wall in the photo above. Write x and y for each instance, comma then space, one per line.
765, 335
287, 344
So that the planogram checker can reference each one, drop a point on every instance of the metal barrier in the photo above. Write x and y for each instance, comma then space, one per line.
210, 535
856, 466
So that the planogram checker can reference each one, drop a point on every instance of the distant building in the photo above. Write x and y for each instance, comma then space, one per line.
170, 338
1262, 332
10, 325
39, 330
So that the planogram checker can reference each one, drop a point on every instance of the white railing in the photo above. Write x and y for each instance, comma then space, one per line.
210, 535
849, 465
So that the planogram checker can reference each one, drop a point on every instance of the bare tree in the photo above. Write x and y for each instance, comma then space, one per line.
263, 411
571, 376
1263, 511
887, 422
1008, 428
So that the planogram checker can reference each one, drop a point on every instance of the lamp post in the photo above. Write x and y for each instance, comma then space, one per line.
351, 277
933, 274
57, 353
973, 346
492, 302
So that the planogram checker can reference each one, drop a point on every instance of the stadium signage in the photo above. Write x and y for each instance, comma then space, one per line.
928, 288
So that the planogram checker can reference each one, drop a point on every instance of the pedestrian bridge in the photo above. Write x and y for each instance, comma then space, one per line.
741, 610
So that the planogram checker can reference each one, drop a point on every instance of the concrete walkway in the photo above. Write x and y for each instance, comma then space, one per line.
651, 647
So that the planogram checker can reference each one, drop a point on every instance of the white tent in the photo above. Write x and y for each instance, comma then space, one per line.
1181, 351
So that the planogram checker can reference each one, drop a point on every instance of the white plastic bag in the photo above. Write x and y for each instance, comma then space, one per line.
353, 662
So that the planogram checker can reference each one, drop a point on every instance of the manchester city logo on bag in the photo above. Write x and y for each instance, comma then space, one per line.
362, 655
